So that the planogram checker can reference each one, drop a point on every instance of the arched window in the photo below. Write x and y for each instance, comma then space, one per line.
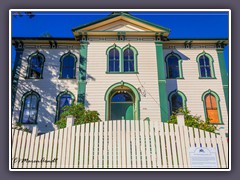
174, 66
68, 66
113, 58
212, 107
65, 98
121, 60
129, 59
29, 109
176, 100
205, 66
35, 66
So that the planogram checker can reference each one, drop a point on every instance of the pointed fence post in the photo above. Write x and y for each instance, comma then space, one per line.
70, 121
180, 119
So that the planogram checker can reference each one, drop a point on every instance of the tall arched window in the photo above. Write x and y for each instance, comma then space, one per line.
65, 98
68, 66
35, 66
205, 66
174, 66
212, 107
29, 109
129, 59
176, 100
114, 59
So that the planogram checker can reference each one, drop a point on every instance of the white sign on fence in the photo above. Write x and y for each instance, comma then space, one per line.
201, 157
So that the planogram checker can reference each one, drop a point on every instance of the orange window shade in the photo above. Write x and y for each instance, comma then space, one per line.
211, 108
213, 115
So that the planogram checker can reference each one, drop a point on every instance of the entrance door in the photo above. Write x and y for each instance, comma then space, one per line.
121, 106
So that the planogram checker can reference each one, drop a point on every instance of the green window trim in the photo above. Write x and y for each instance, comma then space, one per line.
183, 96
37, 53
58, 102
136, 103
211, 61
69, 53
179, 65
121, 59
25, 95
218, 105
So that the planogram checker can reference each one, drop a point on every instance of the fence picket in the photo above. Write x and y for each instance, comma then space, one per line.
55, 148
73, 148
50, 148
45, 150
133, 140
143, 153
173, 142
96, 145
91, 137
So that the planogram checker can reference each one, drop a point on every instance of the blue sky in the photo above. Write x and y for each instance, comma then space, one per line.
182, 24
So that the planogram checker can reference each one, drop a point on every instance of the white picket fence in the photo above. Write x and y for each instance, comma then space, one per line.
114, 144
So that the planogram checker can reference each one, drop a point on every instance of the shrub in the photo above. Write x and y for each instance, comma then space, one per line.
192, 120
81, 115
18, 126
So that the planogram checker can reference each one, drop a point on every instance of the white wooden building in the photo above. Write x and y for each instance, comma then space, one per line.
124, 68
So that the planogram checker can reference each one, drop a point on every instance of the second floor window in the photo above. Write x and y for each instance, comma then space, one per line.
205, 66
128, 60
174, 66
35, 66
68, 66
113, 57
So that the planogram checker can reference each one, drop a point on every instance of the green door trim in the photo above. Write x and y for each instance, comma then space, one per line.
136, 103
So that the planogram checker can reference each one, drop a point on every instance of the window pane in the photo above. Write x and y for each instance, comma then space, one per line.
177, 102
30, 109
35, 67
68, 65
203, 74
173, 69
122, 97
201, 61
65, 100
208, 71
211, 108
113, 60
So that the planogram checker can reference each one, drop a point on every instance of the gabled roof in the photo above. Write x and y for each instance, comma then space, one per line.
116, 17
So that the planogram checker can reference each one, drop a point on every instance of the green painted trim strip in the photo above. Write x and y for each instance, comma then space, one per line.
82, 72
162, 82
224, 75
15, 75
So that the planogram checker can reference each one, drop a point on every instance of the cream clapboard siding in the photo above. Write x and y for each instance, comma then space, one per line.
192, 86
48, 87
99, 82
